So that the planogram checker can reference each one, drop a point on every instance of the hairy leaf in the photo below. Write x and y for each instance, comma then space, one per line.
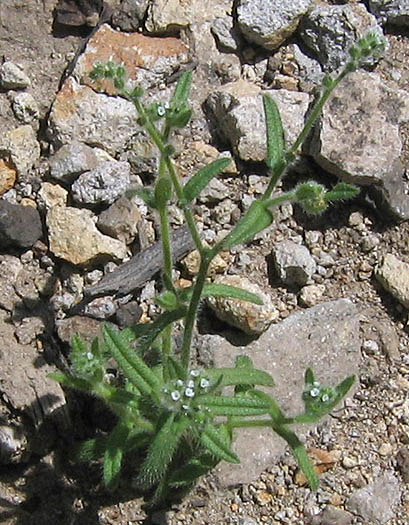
239, 376
113, 455
223, 290
242, 405
218, 442
201, 179
182, 90
275, 133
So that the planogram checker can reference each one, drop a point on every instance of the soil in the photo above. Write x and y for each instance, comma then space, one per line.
368, 434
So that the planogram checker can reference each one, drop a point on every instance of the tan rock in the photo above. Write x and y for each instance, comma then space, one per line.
20, 146
74, 237
8, 176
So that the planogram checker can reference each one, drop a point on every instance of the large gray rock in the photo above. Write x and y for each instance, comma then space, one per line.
391, 11
103, 185
268, 23
238, 111
358, 137
329, 31
325, 338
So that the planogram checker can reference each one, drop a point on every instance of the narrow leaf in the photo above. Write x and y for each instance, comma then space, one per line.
194, 469
342, 191
233, 406
275, 133
161, 451
182, 90
300, 454
72, 382
200, 180
90, 450
256, 219
113, 456
239, 376
131, 364
215, 440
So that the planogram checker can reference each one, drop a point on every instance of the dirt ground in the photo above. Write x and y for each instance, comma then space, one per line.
369, 434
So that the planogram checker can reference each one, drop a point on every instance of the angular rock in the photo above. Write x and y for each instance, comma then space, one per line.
10, 267
51, 195
130, 14
79, 113
102, 185
19, 226
358, 138
238, 111
311, 295
393, 275
120, 220
391, 196
71, 160
325, 338
148, 61
24, 380
374, 503
142, 154
293, 262
332, 516
252, 319
88, 329
25, 108
20, 146
78, 13
169, 16
403, 462
394, 12
74, 237
268, 23
12, 76
8, 176
329, 31
226, 35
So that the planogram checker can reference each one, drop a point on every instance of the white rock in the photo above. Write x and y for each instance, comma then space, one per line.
13, 77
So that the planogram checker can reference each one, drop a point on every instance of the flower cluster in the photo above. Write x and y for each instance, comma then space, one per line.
177, 394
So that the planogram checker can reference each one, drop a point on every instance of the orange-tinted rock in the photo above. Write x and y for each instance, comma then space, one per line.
147, 60
8, 175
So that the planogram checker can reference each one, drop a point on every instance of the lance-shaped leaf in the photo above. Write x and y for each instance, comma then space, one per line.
72, 382
90, 450
131, 364
256, 219
223, 290
182, 90
275, 133
300, 454
192, 470
240, 405
163, 192
238, 376
161, 451
113, 455
201, 179
342, 191
218, 442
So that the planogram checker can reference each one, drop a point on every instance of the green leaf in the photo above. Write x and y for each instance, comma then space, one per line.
218, 442
113, 455
178, 118
238, 376
300, 454
182, 90
342, 191
275, 133
240, 405
201, 179
256, 219
192, 470
163, 192
72, 382
161, 451
222, 290
90, 450
131, 364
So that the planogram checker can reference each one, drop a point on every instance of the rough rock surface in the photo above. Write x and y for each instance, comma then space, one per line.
393, 274
20, 146
19, 225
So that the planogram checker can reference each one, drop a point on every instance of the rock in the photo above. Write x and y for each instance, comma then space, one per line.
250, 318
120, 220
77, 14
393, 275
403, 462
79, 113
71, 160
312, 294
130, 14
293, 262
325, 338
214, 192
374, 503
50, 195
395, 12
238, 111
12, 76
27, 387
332, 516
148, 61
226, 35
169, 16
88, 329
391, 196
8, 176
101, 308
358, 139
20, 146
74, 237
14, 448
20, 226
102, 185
10, 267
142, 154
25, 108
329, 31
268, 23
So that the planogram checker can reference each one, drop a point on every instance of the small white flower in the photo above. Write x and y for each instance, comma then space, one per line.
161, 111
194, 373
185, 407
90, 356
190, 384
179, 382
325, 398
204, 383
314, 392
175, 395
189, 392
